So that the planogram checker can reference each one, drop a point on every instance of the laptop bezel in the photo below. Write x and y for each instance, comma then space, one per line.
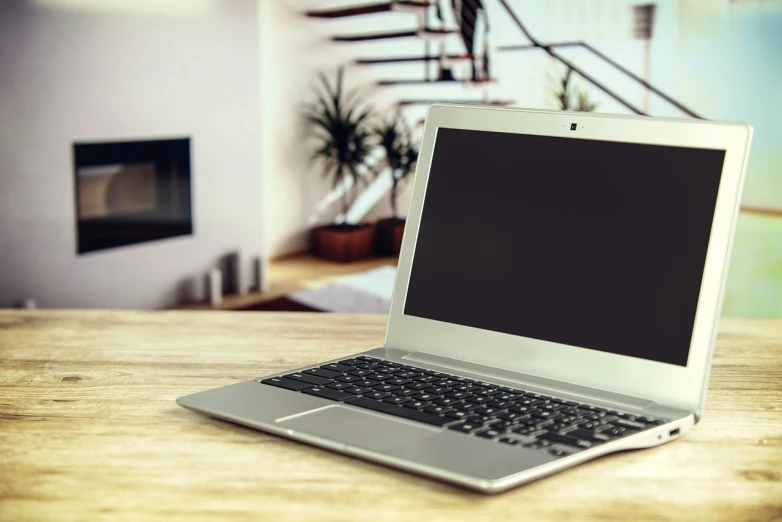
667, 384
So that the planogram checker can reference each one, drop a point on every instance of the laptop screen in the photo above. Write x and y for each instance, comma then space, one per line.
594, 244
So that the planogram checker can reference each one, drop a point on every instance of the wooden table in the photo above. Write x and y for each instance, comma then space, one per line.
89, 430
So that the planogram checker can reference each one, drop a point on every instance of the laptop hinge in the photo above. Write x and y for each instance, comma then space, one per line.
532, 383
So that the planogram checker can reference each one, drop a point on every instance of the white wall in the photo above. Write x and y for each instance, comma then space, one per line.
82, 70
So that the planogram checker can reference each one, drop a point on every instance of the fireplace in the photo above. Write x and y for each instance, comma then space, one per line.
131, 192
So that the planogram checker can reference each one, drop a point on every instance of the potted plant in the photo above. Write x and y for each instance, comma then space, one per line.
571, 97
342, 142
395, 138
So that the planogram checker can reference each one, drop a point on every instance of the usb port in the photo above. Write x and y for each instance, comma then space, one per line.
673, 432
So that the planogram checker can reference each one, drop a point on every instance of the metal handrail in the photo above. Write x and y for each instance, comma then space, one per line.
536, 44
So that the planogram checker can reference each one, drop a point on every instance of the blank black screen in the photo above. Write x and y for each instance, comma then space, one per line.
594, 244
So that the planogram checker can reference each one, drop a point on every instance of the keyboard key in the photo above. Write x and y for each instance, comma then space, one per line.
486, 392
398, 381
360, 373
500, 405
381, 376
437, 409
339, 385
426, 378
419, 405
404, 374
347, 378
558, 452
398, 411
350, 362
464, 427
465, 388
405, 392
303, 377
508, 440
394, 399
551, 406
489, 434
501, 425
629, 424
327, 393
320, 372
458, 394
377, 395
391, 371
478, 399
466, 406
512, 416
366, 358
425, 397
487, 410
648, 420
545, 414
337, 367
594, 438
446, 401
356, 390
288, 384
487, 385
529, 401
445, 383
417, 385
523, 410
437, 390
370, 366
455, 414
366, 383
565, 439
383, 387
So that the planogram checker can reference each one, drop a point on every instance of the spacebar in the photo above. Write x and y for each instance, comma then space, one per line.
398, 411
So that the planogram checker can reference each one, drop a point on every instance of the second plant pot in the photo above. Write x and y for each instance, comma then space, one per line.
343, 243
389, 236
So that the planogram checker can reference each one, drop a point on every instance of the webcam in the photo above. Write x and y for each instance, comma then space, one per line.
573, 126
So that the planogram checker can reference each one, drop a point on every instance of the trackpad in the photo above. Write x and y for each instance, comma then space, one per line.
358, 428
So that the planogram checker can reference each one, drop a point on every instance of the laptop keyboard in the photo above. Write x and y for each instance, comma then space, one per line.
481, 409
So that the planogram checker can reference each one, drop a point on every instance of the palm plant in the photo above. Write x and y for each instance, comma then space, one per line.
343, 139
395, 138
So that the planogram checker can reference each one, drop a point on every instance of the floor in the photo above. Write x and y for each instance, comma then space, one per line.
292, 273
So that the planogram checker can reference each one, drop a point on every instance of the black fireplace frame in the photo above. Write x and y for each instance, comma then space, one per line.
162, 223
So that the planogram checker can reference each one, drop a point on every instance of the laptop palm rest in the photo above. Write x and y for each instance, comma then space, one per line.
357, 428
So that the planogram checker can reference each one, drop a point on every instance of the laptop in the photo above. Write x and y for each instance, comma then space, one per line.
556, 300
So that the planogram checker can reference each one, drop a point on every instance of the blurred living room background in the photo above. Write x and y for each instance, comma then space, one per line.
259, 154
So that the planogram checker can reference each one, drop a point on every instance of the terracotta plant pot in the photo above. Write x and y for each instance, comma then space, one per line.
389, 236
343, 243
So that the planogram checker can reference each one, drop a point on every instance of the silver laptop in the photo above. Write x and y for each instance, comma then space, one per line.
557, 299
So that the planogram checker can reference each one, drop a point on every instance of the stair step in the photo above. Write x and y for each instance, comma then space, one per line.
400, 59
422, 82
424, 33
350, 11
365, 9
459, 102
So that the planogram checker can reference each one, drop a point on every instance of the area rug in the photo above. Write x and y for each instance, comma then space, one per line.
366, 292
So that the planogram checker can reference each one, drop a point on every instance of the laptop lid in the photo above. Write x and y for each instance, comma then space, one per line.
589, 249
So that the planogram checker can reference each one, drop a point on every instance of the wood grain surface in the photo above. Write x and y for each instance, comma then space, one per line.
89, 431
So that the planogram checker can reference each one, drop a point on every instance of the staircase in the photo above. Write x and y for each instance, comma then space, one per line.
430, 36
